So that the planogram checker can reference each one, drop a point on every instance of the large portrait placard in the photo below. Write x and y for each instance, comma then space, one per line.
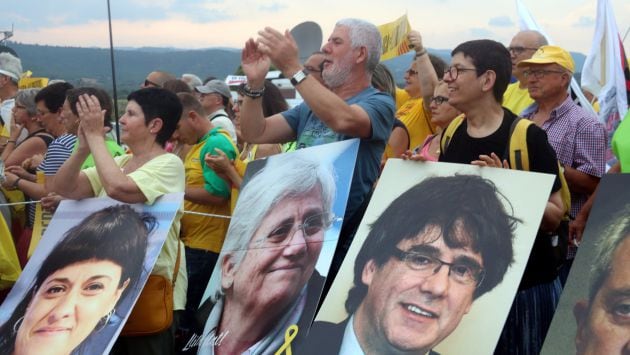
593, 315
435, 263
79, 287
267, 282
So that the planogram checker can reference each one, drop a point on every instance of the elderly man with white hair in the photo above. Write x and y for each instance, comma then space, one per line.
346, 107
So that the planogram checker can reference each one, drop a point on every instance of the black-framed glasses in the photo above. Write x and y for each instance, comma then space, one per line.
148, 82
411, 72
439, 100
312, 69
517, 50
540, 73
310, 226
315, 69
454, 72
428, 265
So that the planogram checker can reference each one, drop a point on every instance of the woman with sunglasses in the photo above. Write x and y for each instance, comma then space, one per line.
442, 113
25, 117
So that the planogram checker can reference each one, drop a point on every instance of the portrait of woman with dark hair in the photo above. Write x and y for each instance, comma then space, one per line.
79, 284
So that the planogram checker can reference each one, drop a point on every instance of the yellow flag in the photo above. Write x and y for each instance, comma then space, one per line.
394, 36
42, 219
28, 83
9, 264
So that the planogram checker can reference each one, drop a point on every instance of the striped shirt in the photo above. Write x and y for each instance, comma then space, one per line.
58, 152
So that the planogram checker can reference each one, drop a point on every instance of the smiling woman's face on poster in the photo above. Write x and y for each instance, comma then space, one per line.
76, 291
68, 306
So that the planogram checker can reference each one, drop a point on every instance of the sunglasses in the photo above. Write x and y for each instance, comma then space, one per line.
148, 83
439, 99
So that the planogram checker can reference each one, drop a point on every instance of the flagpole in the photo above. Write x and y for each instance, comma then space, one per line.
111, 55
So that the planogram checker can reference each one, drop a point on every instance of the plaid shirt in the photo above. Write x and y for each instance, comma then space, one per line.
579, 140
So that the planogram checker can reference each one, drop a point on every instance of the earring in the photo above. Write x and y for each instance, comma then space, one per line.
105, 320
17, 324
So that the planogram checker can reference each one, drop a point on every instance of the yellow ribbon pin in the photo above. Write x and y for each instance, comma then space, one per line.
289, 335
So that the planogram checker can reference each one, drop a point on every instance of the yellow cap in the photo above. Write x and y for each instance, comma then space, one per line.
550, 55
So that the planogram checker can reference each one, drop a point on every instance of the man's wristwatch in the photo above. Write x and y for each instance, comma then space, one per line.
298, 77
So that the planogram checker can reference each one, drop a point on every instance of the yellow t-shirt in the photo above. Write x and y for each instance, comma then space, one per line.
516, 99
401, 97
201, 232
417, 120
3, 131
161, 175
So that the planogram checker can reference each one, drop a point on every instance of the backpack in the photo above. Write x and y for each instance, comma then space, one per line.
543, 250
516, 151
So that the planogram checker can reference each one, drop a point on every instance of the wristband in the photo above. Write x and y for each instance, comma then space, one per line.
16, 183
420, 54
251, 93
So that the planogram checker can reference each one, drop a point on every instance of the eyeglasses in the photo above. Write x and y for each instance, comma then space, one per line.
428, 265
148, 82
312, 69
540, 73
517, 50
439, 100
282, 234
453, 72
411, 72
19, 107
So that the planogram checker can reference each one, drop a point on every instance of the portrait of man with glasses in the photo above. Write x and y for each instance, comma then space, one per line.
417, 275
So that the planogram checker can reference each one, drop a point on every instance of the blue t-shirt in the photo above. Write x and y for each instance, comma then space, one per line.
311, 131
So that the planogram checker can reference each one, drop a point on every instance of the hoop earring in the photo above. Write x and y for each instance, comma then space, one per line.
105, 320
17, 324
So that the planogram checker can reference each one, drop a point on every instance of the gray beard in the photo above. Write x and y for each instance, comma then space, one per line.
337, 75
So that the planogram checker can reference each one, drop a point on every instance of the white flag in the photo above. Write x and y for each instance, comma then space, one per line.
603, 72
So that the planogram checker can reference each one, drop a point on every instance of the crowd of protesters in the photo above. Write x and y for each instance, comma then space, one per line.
193, 136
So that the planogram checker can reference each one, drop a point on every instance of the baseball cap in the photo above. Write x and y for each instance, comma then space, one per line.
550, 55
10, 65
215, 86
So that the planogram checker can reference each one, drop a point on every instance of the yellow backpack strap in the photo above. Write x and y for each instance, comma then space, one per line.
519, 158
450, 131
565, 193
518, 155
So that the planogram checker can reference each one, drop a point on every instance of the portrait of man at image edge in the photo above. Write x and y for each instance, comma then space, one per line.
277, 251
435, 263
83, 279
593, 316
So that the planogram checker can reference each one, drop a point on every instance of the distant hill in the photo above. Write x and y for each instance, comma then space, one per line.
133, 64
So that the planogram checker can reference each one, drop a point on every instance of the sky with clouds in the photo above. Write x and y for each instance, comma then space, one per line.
228, 23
